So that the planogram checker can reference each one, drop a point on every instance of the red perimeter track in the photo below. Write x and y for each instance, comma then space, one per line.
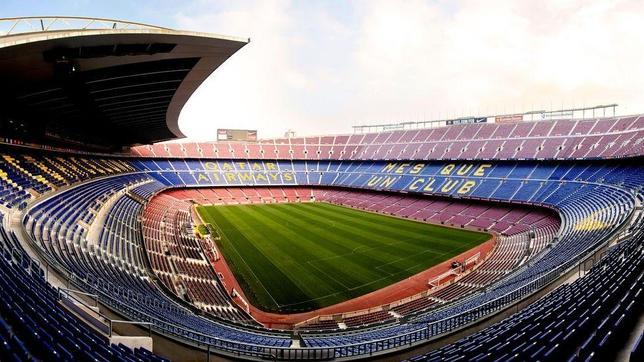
405, 288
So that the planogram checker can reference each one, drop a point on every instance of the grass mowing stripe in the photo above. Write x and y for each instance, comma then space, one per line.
363, 219
373, 255
350, 212
290, 252
438, 231
347, 237
352, 272
238, 262
304, 224
281, 263
380, 230
248, 260
370, 221
327, 277
440, 234
309, 283
305, 256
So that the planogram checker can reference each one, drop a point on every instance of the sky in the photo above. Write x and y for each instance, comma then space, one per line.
319, 67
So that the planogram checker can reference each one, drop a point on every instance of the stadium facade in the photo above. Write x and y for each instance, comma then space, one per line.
101, 241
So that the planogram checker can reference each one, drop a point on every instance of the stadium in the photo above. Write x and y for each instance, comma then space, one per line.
496, 237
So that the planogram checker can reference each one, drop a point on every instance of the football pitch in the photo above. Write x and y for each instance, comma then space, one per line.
302, 256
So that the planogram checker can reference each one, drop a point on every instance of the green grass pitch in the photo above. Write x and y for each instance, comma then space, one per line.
303, 256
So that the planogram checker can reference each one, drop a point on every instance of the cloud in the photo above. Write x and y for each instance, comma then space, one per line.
319, 67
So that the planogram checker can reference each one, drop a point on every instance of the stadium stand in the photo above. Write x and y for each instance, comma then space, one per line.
113, 270
581, 320
34, 326
565, 187
180, 262
584, 224
558, 139
78, 206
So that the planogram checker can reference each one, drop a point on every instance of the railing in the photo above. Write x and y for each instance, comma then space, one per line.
99, 317
135, 323
36, 24
66, 292
570, 113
